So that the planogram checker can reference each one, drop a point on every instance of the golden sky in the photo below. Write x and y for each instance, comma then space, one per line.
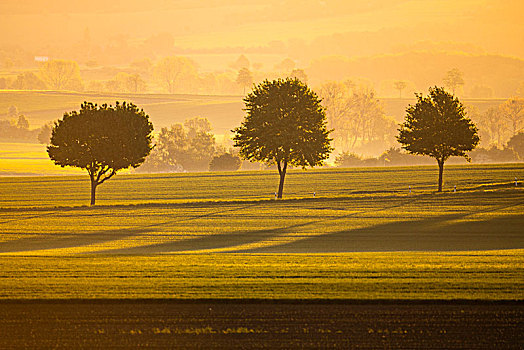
492, 25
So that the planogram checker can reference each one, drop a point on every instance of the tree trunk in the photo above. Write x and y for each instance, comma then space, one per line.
440, 173
282, 171
93, 191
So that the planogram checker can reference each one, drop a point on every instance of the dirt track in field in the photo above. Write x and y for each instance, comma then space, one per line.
107, 324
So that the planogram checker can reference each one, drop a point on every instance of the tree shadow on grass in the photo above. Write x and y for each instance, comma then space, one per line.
436, 233
71, 240
231, 240
442, 233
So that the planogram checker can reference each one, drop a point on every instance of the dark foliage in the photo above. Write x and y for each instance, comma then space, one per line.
102, 140
182, 148
517, 144
225, 162
285, 124
437, 126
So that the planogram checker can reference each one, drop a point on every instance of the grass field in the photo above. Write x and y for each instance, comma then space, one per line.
224, 112
40, 107
24, 159
362, 236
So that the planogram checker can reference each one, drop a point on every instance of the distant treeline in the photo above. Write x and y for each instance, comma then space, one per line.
485, 76
397, 157
16, 128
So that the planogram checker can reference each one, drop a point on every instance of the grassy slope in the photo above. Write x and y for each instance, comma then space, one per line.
230, 222
224, 112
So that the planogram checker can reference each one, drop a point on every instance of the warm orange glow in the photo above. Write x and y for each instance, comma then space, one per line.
494, 25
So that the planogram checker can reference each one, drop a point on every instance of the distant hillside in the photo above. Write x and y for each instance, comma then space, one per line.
501, 74
396, 107
224, 112
40, 107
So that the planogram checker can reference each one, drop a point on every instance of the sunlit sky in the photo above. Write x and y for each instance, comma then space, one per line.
495, 26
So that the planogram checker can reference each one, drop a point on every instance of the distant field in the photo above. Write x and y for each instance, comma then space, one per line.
19, 159
222, 235
40, 107
224, 112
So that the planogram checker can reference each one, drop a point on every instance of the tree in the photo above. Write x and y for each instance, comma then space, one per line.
517, 144
225, 162
437, 126
12, 112
299, 74
101, 139
513, 111
286, 65
172, 71
285, 124
124, 82
492, 126
334, 98
28, 81
453, 79
44, 135
347, 159
61, 75
244, 78
188, 147
22, 123
400, 85
241, 62
354, 113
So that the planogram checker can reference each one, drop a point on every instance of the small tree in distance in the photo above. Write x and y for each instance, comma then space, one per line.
225, 162
517, 144
453, 79
285, 124
400, 85
61, 75
244, 78
102, 140
437, 126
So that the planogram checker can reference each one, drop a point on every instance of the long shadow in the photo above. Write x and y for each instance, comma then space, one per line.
432, 234
406, 235
227, 240
215, 241
70, 240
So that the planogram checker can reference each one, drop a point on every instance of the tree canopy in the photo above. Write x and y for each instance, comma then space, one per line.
453, 79
188, 147
244, 78
517, 144
285, 124
225, 162
175, 70
437, 126
61, 75
101, 139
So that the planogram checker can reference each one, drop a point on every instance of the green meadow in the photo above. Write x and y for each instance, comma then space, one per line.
337, 234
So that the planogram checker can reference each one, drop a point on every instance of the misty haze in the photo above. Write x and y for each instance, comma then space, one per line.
262, 174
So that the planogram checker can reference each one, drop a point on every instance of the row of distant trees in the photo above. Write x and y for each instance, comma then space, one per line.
357, 117
190, 146
498, 124
513, 151
16, 128
179, 74
360, 124
285, 125
173, 74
